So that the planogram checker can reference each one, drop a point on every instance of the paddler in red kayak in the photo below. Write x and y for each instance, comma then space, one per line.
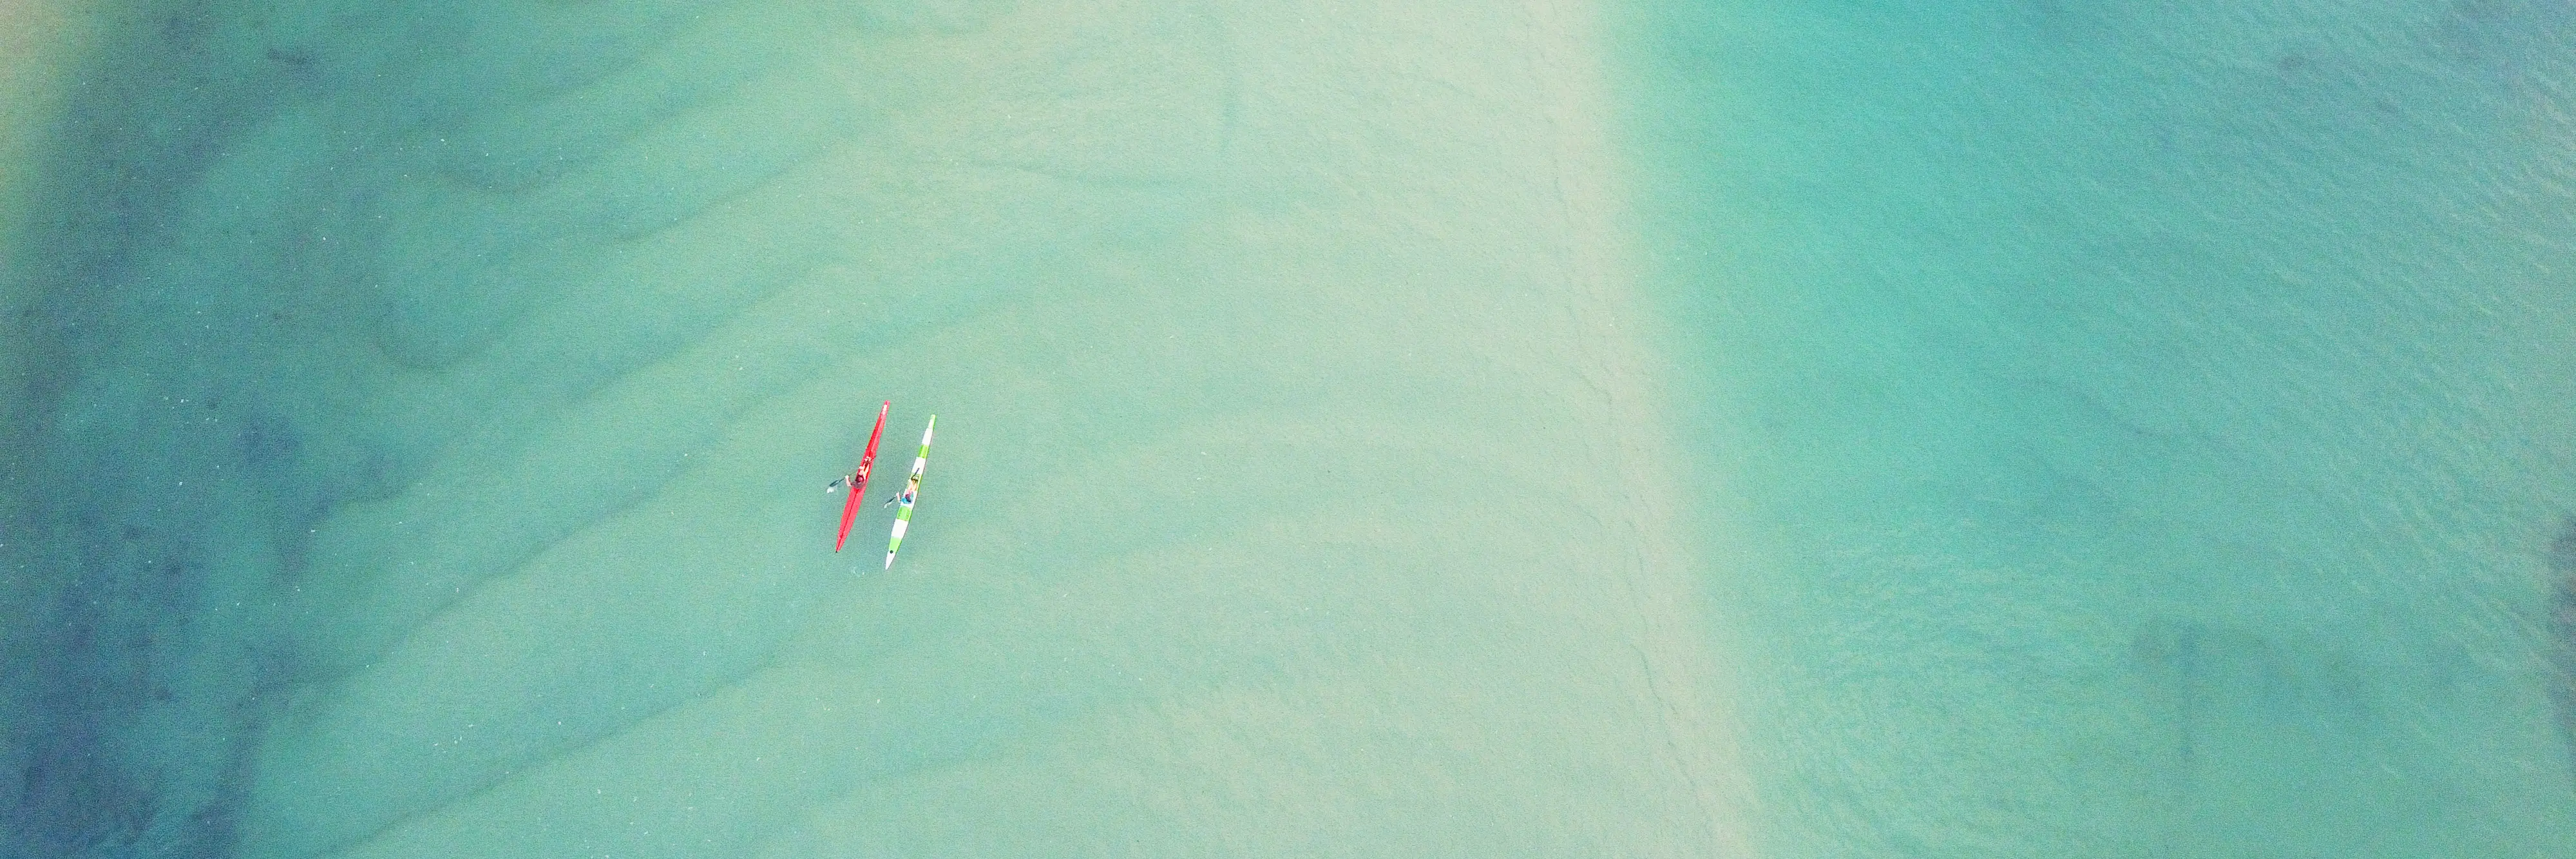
858, 480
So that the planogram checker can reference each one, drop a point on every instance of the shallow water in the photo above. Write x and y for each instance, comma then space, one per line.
1275, 347
2010, 429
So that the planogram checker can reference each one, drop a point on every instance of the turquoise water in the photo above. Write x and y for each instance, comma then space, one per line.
2153, 421
2012, 429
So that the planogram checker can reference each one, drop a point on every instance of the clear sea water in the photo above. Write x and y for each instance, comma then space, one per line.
2040, 428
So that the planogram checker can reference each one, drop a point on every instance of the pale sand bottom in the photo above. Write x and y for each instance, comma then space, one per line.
39, 43
1320, 507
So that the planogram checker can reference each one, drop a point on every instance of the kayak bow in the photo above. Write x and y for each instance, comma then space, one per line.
911, 492
859, 481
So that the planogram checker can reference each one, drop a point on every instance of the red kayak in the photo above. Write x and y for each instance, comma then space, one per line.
859, 481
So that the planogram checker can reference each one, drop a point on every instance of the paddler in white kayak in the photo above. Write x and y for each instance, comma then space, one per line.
911, 490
